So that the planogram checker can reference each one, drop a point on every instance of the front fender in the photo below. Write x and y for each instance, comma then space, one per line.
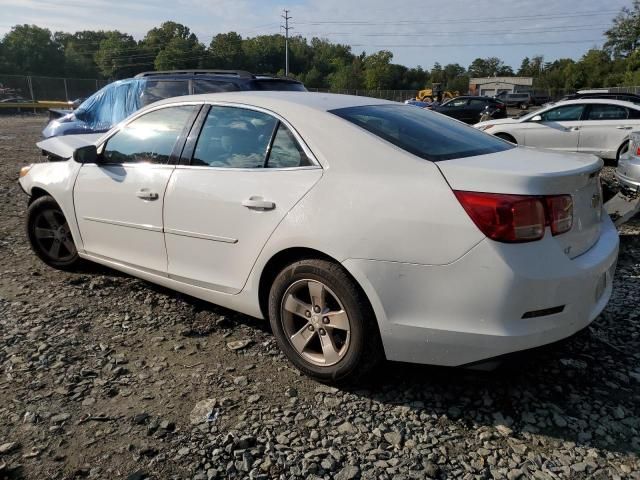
56, 179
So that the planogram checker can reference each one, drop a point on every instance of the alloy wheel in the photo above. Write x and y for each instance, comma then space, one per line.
51, 232
315, 322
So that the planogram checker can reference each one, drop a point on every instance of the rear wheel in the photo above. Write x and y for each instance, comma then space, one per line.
323, 323
49, 234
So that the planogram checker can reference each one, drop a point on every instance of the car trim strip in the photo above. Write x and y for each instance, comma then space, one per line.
140, 226
176, 278
202, 236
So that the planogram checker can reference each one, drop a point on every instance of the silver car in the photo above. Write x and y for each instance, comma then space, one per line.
628, 170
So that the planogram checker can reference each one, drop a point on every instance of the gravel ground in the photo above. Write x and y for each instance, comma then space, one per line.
106, 376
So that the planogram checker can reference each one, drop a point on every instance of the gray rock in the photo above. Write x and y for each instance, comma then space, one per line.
201, 411
350, 472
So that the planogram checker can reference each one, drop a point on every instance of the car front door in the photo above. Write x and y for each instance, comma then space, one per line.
558, 128
456, 108
605, 129
246, 170
119, 199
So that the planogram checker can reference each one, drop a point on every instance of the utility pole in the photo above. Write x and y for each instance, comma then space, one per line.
286, 41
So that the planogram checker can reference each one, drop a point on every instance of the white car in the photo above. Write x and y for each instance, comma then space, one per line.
361, 228
596, 126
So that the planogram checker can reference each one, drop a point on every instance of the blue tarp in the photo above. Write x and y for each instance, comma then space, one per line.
102, 110
111, 104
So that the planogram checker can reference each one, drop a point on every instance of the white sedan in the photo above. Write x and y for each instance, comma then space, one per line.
600, 127
361, 228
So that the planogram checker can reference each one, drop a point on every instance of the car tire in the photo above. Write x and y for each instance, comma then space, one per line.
333, 335
507, 137
49, 235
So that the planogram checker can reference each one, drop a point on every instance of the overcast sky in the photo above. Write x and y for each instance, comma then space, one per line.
418, 32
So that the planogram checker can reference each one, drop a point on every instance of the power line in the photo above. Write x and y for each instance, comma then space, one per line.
457, 21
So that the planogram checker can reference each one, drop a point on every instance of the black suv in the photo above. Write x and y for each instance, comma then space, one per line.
469, 109
119, 99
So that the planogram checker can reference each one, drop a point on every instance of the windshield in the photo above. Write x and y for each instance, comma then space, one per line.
426, 134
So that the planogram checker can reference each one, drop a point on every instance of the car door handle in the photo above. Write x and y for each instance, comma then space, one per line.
624, 128
573, 129
146, 194
258, 203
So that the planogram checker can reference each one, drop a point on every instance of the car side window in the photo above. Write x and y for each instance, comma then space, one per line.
149, 138
565, 113
457, 103
477, 102
633, 113
234, 137
203, 85
286, 152
156, 90
607, 112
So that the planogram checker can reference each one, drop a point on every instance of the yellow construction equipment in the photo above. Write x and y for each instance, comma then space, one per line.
435, 93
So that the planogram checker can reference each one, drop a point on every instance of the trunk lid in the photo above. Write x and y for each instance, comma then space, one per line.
527, 171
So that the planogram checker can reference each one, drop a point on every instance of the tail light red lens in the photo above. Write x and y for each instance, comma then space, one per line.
517, 218
559, 213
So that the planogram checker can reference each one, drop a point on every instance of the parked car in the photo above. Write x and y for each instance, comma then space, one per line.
361, 228
604, 95
628, 170
418, 103
119, 99
520, 100
600, 127
469, 109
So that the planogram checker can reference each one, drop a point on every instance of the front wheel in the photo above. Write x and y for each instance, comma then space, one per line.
49, 234
323, 323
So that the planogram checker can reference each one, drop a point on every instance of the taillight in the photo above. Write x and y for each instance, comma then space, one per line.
517, 218
559, 213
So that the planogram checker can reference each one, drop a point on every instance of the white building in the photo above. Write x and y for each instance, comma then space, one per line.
491, 86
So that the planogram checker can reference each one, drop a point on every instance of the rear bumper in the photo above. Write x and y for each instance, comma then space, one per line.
472, 309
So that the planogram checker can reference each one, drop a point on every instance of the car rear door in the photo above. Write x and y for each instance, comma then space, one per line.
605, 128
119, 200
558, 129
246, 169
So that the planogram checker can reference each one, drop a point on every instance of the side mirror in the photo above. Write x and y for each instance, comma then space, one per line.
536, 118
87, 154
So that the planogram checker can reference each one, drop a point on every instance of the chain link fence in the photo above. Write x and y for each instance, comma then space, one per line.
34, 88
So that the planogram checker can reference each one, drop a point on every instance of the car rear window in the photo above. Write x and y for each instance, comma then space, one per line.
425, 134
279, 85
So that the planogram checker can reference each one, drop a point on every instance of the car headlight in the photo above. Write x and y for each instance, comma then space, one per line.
24, 170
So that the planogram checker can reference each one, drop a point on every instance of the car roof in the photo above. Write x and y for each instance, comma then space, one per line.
607, 101
282, 99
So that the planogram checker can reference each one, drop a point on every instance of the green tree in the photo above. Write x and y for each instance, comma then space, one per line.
225, 51
119, 56
623, 38
378, 73
489, 67
28, 49
180, 53
347, 76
